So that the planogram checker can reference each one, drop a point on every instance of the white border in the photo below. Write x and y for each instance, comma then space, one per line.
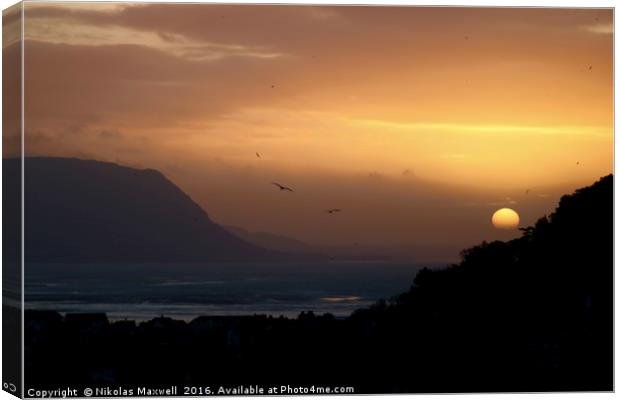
480, 3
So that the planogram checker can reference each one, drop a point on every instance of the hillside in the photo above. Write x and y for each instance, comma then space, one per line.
534, 313
91, 211
272, 241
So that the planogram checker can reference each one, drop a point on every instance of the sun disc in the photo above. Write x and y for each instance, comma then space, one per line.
505, 218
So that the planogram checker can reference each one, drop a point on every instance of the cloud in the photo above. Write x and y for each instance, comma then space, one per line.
248, 30
600, 28
63, 8
110, 134
600, 131
11, 25
505, 201
164, 64
75, 32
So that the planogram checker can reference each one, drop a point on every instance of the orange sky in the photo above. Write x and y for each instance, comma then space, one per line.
418, 121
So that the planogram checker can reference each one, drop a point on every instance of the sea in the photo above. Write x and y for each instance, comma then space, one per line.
188, 290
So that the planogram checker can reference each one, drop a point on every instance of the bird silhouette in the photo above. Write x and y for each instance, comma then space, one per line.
333, 210
282, 187
577, 162
257, 154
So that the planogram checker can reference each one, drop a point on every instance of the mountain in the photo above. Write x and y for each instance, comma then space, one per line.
405, 252
292, 246
272, 241
91, 211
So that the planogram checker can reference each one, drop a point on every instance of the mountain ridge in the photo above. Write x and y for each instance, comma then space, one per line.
93, 211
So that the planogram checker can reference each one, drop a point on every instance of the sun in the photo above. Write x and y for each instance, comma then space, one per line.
505, 218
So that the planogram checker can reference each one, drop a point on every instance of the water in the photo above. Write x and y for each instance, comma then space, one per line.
184, 291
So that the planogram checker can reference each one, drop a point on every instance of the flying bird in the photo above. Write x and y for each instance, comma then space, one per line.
577, 162
257, 154
282, 187
333, 210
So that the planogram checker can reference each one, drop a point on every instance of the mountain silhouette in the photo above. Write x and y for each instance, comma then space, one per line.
91, 211
300, 249
272, 241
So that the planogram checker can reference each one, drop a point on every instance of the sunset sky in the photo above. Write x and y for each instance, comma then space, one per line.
417, 122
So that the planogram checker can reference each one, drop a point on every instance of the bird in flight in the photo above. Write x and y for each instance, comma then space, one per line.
257, 154
333, 210
577, 162
282, 187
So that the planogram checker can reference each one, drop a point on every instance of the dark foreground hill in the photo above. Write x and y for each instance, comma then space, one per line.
81, 211
533, 314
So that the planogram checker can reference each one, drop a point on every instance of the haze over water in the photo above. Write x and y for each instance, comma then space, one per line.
185, 291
